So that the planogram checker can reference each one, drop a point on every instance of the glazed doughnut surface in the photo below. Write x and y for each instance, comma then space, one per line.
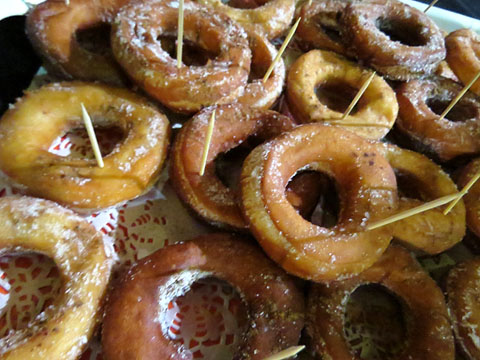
29, 128
134, 323
63, 329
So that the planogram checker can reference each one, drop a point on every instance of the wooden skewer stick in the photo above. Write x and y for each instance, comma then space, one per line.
91, 135
208, 140
180, 34
282, 49
432, 4
414, 211
359, 95
459, 96
285, 354
465, 190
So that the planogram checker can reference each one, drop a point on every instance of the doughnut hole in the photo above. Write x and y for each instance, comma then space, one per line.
409, 186
29, 283
95, 39
75, 143
337, 95
314, 195
244, 4
192, 53
209, 319
402, 30
374, 324
462, 111
228, 165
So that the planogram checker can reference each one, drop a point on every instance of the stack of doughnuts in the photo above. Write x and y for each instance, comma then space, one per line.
291, 149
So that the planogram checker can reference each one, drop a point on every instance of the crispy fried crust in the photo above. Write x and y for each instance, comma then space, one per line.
428, 332
51, 27
63, 329
367, 191
234, 124
36, 120
134, 329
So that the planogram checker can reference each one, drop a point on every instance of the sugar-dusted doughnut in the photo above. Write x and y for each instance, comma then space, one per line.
318, 75
367, 191
29, 128
135, 34
52, 27
397, 40
234, 124
134, 324
428, 332
463, 55
420, 180
421, 102
64, 328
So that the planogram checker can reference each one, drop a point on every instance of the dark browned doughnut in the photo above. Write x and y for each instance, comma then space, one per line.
132, 328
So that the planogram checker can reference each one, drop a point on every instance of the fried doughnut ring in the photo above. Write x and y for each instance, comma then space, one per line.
421, 102
258, 94
463, 291
318, 70
428, 332
206, 194
271, 18
463, 55
471, 197
399, 41
134, 329
431, 231
51, 27
190, 88
64, 328
320, 27
367, 192
29, 128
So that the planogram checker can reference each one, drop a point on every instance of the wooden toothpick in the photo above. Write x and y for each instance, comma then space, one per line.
285, 354
91, 135
359, 95
208, 140
414, 211
282, 49
180, 34
462, 193
459, 96
432, 4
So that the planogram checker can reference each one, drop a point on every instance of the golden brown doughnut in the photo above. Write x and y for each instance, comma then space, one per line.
367, 191
134, 329
52, 27
234, 124
463, 55
422, 180
271, 17
421, 103
318, 74
398, 40
320, 27
63, 329
188, 88
429, 336
463, 292
29, 128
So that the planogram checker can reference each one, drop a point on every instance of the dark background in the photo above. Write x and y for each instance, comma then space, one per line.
467, 7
